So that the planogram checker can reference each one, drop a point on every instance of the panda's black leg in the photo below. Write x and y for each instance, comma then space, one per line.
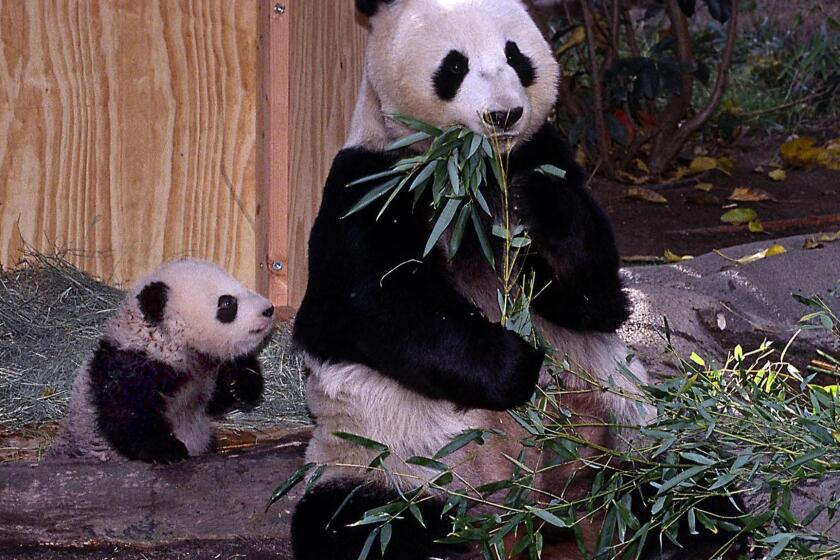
316, 537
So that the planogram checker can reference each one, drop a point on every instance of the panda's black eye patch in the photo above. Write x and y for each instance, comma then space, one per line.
521, 64
450, 75
228, 306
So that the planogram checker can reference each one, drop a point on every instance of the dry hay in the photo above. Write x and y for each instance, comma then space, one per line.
51, 314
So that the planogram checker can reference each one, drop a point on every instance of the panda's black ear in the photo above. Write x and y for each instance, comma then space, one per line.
369, 7
152, 300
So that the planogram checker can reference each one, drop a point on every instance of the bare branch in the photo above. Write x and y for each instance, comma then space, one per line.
597, 89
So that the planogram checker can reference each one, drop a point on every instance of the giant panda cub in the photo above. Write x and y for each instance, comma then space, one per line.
180, 349
410, 353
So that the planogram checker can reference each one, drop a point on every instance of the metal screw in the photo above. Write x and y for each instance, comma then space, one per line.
279, 9
276, 266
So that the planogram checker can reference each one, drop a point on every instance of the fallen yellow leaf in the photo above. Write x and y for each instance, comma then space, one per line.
631, 179
702, 163
749, 194
830, 237
580, 156
671, 257
647, 195
641, 166
778, 175
577, 37
811, 243
705, 187
739, 216
771, 251
804, 152
755, 226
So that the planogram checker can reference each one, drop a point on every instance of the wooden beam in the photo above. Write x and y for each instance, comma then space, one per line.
73, 503
273, 157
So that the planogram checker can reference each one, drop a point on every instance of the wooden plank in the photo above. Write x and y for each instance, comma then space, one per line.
127, 132
71, 503
273, 46
325, 72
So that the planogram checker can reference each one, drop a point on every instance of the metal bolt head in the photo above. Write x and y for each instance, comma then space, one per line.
276, 266
279, 9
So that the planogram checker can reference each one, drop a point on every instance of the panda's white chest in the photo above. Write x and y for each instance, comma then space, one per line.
186, 412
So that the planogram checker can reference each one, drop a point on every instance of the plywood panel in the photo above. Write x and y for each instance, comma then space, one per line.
324, 79
128, 132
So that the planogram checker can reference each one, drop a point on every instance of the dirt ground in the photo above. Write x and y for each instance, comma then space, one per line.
807, 201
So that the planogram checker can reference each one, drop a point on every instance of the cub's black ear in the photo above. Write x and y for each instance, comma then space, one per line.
369, 7
152, 300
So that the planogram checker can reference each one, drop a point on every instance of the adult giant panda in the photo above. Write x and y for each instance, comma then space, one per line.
411, 353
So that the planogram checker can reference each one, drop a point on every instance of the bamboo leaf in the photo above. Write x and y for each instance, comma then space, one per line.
408, 140
443, 221
371, 196
289, 483
362, 441
460, 441
459, 228
482, 239
682, 477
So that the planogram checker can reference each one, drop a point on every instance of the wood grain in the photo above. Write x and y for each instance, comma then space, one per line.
128, 132
310, 60
324, 79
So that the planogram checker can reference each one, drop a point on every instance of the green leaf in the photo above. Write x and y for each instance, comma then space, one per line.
454, 179
552, 171
417, 125
362, 441
549, 517
289, 483
682, 477
443, 221
372, 195
807, 458
458, 230
374, 177
408, 140
423, 176
428, 463
697, 458
482, 239
475, 144
739, 216
479, 197
368, 544
384, 537
723, 481
460, 441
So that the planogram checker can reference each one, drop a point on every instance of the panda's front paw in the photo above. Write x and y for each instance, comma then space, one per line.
248, 386
520, 365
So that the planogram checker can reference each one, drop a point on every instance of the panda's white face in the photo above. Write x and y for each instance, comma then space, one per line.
482, 64
205, 307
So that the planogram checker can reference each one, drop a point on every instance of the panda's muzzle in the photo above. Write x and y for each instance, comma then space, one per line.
503, 120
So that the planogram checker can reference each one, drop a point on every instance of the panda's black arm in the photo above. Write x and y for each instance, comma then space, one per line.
239, 384
573, 248
370, 301
128, 389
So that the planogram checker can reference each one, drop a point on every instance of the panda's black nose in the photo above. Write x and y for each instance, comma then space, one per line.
268, 312
503, 120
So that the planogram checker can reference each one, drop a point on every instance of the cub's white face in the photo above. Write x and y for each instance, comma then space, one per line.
482, 64
207, 309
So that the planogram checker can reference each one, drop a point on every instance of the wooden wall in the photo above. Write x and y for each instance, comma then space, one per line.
127, 132
134, 131
303, 123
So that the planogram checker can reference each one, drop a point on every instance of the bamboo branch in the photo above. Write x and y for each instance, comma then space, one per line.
597, 89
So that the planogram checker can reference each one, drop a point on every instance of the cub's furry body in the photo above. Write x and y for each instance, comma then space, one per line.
165, 364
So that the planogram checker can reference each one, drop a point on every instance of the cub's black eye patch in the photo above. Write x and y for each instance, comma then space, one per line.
450, 75
522, 65
228, 306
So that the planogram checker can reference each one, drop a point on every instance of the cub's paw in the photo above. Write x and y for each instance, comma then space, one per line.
163, 452
248, 386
